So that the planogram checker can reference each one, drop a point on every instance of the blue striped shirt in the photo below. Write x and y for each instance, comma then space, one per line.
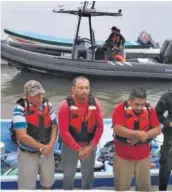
19, 120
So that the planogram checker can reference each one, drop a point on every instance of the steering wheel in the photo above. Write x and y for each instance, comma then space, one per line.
86, 40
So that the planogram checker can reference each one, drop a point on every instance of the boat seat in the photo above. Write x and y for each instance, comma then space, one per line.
166, 52
82, 54
167, 57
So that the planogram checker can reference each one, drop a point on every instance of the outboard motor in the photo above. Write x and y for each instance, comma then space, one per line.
81, 51
146, 39
168, 54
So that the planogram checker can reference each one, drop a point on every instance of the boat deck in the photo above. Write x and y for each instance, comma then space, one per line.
154, 188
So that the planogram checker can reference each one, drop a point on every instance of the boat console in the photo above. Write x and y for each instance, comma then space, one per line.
79, 50
83, 49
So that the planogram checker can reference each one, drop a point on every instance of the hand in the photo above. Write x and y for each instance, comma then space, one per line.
47, 150
170, 124
85, 152
143, 136
152, 165
133, 141
115, 48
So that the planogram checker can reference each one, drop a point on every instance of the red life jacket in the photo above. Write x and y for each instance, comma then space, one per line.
134, 122
39, 122
116, 39
82, 129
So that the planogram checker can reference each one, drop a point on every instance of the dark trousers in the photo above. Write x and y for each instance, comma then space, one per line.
69, 161
165, 164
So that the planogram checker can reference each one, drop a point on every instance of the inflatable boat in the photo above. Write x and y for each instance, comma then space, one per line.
143, 44
103, 167
159, 66
87, 58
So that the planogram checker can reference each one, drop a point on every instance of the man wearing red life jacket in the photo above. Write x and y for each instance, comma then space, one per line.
35, 127
135, 123
81, 126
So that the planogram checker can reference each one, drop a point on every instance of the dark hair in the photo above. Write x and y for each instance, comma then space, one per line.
114, 28
138, 93
77, 78
118, 30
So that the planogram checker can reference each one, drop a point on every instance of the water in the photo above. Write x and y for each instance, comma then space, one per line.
154, 17
109, 92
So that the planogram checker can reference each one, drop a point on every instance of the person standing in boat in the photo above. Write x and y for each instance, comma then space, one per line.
135, 123
115, 45
81, 126
35, 126
165, 105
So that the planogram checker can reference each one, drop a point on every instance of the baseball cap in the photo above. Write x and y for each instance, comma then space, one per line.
33, 88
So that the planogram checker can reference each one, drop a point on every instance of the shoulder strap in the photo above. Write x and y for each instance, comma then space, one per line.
147, 105
91, 100
22, 102
125, 104
45, 100
70, 101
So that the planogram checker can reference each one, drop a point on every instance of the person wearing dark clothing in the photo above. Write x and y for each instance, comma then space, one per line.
115, 45
122, 39
113, 32
165, 105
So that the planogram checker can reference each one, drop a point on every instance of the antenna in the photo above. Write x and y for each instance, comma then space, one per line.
85, 5
93, 5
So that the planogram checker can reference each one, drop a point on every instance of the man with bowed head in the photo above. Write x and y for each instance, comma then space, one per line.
81, 126
135, 123
35, 130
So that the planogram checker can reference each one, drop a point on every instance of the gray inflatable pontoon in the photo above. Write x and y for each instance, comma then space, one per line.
158, 67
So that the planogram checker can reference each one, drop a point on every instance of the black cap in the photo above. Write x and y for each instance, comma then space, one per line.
114, 28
